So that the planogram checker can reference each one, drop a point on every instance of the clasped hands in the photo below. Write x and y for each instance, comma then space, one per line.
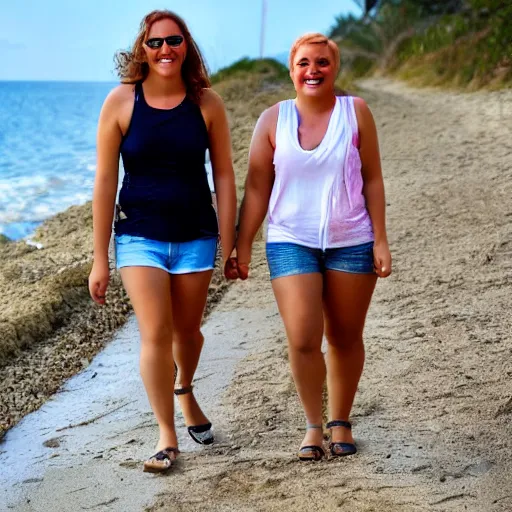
236, 266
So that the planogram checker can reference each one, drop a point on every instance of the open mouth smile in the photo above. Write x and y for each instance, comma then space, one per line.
313, 81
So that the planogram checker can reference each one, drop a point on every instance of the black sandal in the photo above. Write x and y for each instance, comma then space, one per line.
161, 461
311, 452
338, 449
201, 434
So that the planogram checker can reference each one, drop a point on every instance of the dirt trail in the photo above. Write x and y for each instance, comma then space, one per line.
433, 416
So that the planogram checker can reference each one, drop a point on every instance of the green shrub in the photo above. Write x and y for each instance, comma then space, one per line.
471, 47
243, 67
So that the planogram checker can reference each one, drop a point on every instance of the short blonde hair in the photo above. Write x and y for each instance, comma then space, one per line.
315, 38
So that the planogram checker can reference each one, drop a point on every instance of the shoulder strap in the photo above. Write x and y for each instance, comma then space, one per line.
139, 95
286, 120
352, 117
138, 91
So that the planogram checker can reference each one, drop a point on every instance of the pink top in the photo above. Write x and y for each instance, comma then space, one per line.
317, 199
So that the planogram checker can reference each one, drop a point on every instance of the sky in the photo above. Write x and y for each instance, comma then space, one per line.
76, 40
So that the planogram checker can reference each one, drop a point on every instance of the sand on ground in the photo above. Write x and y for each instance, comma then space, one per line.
432, 417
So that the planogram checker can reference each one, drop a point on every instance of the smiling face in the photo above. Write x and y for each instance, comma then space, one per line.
167, 60
314, 70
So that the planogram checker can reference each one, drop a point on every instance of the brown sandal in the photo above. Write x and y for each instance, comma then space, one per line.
161, 461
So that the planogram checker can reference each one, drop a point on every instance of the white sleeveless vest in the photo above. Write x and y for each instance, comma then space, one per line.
317, 198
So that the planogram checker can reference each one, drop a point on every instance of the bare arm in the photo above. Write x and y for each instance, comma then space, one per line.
258, 185
222, 166
373, 188
105, 188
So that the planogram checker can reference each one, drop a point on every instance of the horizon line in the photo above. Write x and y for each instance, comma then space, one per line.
114, 80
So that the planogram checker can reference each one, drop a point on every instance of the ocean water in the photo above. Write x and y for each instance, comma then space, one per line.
47, 149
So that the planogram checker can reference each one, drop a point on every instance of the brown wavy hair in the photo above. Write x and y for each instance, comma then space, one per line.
132, 67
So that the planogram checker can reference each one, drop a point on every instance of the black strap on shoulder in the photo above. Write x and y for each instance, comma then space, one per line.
138, 91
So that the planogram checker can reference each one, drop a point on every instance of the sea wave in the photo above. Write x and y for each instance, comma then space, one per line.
47, 150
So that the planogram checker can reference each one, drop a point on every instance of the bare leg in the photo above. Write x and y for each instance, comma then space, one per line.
299, 299
346, 301
189, 292
149, 290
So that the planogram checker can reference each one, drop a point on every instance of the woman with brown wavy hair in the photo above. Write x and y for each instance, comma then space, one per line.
161, 120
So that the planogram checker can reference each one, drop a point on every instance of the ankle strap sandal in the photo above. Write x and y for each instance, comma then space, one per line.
201, 434
311, 452
341, 449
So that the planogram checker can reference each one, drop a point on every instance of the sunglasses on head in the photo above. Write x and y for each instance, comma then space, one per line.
158, 42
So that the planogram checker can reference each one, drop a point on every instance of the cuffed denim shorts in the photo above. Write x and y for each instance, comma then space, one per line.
288, 259
173, 257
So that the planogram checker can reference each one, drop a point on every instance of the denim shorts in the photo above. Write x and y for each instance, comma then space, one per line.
288, 259
173, 257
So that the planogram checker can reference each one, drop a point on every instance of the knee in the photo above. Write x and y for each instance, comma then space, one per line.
305, 346
345, 339
157, 336
188, 336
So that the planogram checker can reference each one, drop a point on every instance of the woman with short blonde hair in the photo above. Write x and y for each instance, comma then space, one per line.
314, 166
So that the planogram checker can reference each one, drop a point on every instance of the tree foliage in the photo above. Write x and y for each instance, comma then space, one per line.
388, 31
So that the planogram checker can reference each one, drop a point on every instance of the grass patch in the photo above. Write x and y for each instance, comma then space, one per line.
247, 68
469, 50
456, 66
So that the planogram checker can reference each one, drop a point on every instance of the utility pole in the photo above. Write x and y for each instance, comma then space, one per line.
263, 23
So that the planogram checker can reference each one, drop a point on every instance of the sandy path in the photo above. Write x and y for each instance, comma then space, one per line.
84, 448
433, 415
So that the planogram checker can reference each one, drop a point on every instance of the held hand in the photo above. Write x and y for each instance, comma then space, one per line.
231, 266
98, 281
382, 259
244, 261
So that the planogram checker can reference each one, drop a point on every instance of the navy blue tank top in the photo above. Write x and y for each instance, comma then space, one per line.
165, 193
